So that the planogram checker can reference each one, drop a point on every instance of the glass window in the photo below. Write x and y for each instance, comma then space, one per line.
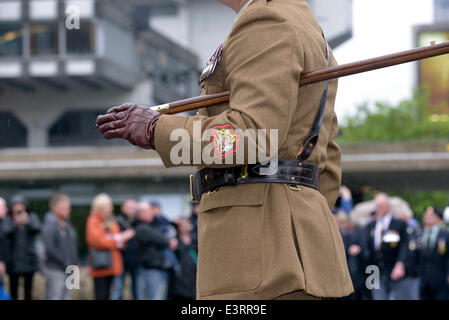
82, 40
11, 39
44, 38
12, 131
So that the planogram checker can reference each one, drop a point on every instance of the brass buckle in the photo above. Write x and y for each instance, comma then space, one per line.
294, 187
244, 173
192, 198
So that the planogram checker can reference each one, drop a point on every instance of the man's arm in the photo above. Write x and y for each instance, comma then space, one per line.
49, 236
263, 64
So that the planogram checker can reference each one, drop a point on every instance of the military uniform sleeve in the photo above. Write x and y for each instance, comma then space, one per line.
330, 177
262, 63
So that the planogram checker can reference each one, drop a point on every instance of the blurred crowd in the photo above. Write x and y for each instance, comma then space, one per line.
391, 255
159, 255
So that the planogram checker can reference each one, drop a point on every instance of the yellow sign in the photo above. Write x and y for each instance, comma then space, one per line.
435, 72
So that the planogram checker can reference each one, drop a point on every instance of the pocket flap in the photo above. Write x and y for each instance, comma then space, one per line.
232, 196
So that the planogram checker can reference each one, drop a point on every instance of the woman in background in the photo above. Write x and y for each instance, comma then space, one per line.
20, 229
103, 233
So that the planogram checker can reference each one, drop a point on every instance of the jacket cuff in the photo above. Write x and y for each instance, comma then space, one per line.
162, 132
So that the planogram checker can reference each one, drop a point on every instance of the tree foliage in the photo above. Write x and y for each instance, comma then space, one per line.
410, 120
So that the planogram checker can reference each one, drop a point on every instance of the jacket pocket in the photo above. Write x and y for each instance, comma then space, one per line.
229, 234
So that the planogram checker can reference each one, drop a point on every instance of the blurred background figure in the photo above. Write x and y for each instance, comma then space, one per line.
127, 221
154, 273
20, 229
446, 214
183, 284
411, 281
345, 201
386, 247
194, 222
434, 267
61, 247
356, 263
3, 213
169, 230
105, 241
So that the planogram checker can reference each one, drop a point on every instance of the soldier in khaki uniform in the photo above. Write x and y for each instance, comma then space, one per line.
260, 237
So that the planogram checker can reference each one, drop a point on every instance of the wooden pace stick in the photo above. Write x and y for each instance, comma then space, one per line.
317, 76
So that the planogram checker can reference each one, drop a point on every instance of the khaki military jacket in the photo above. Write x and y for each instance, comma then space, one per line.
261, 241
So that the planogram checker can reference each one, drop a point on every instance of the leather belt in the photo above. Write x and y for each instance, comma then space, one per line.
292, 172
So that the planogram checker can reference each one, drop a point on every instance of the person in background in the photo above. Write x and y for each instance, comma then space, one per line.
103, 233
346, 202
3, 213
194, 223
411, 281
61, 247
151, 242
433, 257
20, 229
127, 221
386, 247
169, 230
354, 256
183, 286
446, 214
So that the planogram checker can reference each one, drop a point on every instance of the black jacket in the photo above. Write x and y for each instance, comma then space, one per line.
389, 253
131, 252
434, 263
356, 264
60, 245
150, 243
2, 243
183, 284
21, 254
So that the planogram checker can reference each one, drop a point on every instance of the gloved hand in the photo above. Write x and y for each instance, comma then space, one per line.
131, 122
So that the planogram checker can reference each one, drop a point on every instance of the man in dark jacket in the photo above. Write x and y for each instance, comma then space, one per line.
183, 284
20, 229
386, 247
127, 220
356, 263
153, 277
3, 212
60, 247
434, 257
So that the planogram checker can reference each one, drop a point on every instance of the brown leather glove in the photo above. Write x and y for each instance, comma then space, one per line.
131, 122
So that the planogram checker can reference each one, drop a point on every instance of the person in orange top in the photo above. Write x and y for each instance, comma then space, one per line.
103, 233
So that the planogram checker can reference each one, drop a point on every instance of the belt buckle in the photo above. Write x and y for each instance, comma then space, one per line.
192, 197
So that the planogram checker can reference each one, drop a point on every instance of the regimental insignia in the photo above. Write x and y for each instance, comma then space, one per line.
225, 140
412, 245
442, 246
211, 65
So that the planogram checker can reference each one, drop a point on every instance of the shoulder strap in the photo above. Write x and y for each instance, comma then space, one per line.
312, 138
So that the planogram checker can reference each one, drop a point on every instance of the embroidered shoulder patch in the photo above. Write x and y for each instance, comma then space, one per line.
225, 140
